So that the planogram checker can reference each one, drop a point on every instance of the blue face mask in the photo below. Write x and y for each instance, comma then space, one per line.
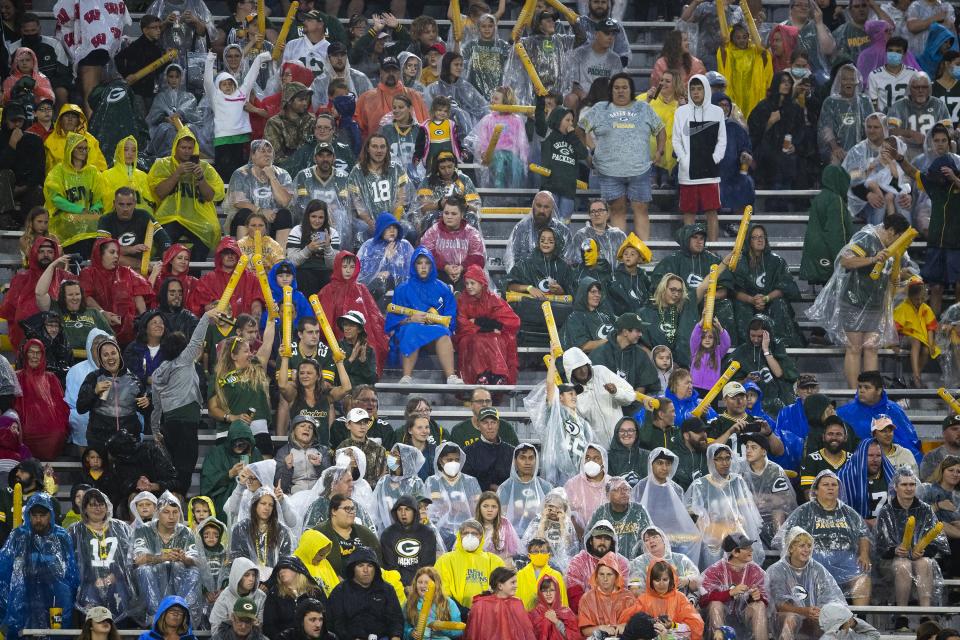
894, 58
799, 72
955, 72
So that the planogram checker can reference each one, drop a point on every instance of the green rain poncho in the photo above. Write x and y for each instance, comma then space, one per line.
777, 392
72, 196
584, 325
829, 226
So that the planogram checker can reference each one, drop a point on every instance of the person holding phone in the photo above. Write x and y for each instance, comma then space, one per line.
312, 247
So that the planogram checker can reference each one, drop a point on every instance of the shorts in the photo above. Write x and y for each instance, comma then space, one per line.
859, 319
941, 266
698, 198
636, 188
96, 58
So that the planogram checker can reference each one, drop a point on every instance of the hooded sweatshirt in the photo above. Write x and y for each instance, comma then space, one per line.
154, 632
407, 548
699, 138
357, 611
72, 195
119, 410
223, 607
57, 140
231, 121
829, 226
595, 404
214, 481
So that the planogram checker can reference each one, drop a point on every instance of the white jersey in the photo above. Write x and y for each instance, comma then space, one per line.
885, 88
306, 53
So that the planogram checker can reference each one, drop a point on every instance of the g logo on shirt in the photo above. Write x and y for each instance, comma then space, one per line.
408, 547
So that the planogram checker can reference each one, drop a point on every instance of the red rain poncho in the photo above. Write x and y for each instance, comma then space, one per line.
544, 628
41, 90
493, 618
11, 440
115, 289
489, 351
20, 302
340, 296
210, 287
43, 413
187, 280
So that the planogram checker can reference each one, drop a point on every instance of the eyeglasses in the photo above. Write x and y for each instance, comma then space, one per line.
324, 128
348, 509
593, 211
722, 459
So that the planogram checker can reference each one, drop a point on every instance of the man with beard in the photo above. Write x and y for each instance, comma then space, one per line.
338, 68
911, 117
326, 182
627, 517
600, 540
29, 475
833, 456
372, 105
20, 301
523, 238
289, 129
792, 426
172, 306
324, 130
598, 12
731, 425
692, 462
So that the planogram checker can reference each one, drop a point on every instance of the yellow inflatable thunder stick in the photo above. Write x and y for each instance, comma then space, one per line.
543, 171
741, 238
327, 330
897, 248
231, 285
715, 389
710, 299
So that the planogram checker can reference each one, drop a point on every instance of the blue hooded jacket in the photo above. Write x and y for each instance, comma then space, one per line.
792, 429
301, 306
858, 416
931, 57
37, 572
423, 295
853, 478
165, 604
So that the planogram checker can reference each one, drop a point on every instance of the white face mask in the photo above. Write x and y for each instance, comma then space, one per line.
470, 542
592, 469
451, 468
392, 462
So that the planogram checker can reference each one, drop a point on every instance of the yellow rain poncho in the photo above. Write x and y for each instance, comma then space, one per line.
466, 574
72, 197
123, 175
665, 110
184, 205
313, 542
748, 76
55, 142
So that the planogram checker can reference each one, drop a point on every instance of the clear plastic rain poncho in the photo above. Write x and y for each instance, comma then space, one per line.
191, 47
836, 534
263, 552
37, 572
508, 166
862, 160
453, 502
585, 494
423, 211
162, 579
522, 501
844, 111
484, 60
244, 187
167, 102
307, 186
664, 503
684, 566
237, 506
547, 54
559, 533
104, 559
723, 505
523, 238
565, 435
371, 193
390, 487
852, 301
312, 507
772, 492
948, 339
808, 586
468, 105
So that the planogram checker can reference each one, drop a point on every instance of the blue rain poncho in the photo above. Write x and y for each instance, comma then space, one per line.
165, 604
422, 294
859, 416
104, 562
301, 307
383, 267
37, 572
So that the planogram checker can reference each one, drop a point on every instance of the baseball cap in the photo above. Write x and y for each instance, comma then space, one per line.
323, 146
284, 267
351, 316
336, 48
716, 78
313, 14
627, 321
693, 424
14, 110
390, 63
733, 389
734, 541
301, 419
951, 420
488, 412
807, 380
439, 47
245, 608
881, 422
608, 26
99, 614
603, 528
358, 415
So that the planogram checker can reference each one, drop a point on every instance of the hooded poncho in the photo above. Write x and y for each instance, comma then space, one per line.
672, 604
73, 196
682, 565
829, 226
386, 264
115, 290
600, 608
466, 574
841, 118
42, 409
560, 534
454, 499
390, 487
522, 501
808, 586
480, 345
665, 504
210, 287
57, 140
423, 294
41, 89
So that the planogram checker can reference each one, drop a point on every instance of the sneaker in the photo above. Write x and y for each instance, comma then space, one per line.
454, 379
406, 380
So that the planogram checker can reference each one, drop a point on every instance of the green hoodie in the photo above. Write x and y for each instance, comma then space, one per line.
632, 364
777, 392
583, 325
562, 153
829, 226
944, 230
215, 481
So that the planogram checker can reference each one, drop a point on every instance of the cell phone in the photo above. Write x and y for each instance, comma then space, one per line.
195, 158
319, 236
245, 459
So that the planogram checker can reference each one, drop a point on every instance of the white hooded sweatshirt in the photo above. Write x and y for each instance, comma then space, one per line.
699, 137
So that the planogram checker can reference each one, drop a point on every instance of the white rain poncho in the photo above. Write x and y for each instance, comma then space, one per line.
852, 301
948, 339
723, 505
807, 586
181, 36
841, 118
244, 187
157, 581
143, 495
560, 534
453, 502
595, 403
773, 493
522, 501
586, 494
523, 238
312, 507
484, 60
547, 53
264, 552
104, 562
834, 615
565, 435
237, 506
684, 566
836, 534
664, 503
390, 487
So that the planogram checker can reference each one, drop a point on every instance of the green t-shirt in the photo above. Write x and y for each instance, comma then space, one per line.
76, 326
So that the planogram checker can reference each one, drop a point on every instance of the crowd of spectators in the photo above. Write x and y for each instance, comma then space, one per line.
345, 167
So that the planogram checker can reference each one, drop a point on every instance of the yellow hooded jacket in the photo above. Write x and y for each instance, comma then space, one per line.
213, 510
73, 197
666, 111
123, 175
313, 542
184, 205
466, 574
57, 140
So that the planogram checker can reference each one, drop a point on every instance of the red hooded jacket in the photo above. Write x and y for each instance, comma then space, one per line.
481, 351
20, 302
188, 281
115, 289
42, 90
43, 413
210, 287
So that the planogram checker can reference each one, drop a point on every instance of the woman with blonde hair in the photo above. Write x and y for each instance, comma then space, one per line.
242, 389
672, 315
664, 98
443, 608
289, 584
